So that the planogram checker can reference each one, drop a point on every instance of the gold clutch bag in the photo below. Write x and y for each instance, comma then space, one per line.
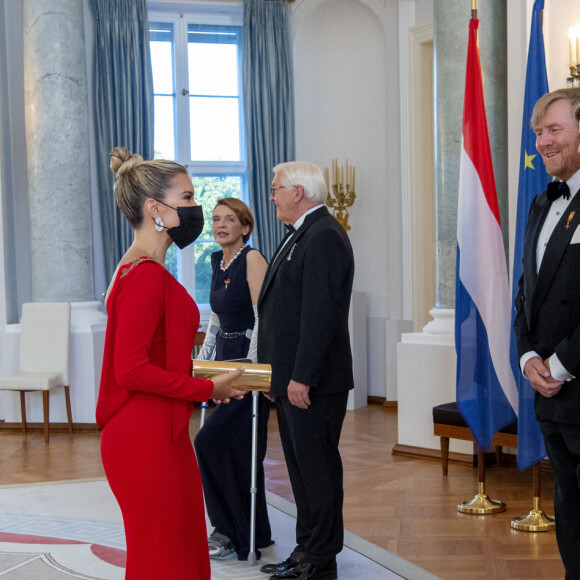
256, 377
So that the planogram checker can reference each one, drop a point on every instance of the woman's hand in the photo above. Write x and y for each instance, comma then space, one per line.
222, 387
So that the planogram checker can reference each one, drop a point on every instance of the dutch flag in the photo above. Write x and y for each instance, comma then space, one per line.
486, 391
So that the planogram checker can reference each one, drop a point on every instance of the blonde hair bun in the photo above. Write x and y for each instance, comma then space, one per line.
122, 161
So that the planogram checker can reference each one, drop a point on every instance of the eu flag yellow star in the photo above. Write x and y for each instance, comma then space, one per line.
528, 160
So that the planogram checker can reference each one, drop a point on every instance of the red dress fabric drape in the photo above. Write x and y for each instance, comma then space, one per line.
144, 406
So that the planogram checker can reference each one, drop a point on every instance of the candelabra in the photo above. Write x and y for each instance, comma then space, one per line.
341, 195
574, 41
574, 79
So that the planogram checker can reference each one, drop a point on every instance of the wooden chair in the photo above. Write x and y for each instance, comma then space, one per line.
44, 357
448, 423
198, 343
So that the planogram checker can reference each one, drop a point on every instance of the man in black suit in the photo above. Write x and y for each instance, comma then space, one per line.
303, 333
547, 323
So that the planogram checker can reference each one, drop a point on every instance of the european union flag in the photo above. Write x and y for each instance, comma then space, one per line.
533, 180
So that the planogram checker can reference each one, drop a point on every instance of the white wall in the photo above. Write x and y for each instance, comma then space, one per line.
346, 87
559, 16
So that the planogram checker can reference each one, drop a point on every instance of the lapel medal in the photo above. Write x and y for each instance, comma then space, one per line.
291, 250
570, 218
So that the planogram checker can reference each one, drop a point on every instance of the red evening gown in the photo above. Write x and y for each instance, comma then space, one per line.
144, 408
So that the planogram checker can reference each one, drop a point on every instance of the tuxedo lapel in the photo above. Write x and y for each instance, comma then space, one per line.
278, 256
555, 249
537, 220
286, 245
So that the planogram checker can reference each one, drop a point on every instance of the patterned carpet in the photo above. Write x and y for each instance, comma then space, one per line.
69, 530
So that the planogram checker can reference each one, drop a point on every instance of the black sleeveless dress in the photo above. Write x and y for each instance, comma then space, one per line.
224, 443
230, 300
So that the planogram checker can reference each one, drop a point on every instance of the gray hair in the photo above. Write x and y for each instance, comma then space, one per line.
308, 175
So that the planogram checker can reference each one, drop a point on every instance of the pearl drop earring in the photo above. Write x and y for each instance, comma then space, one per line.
159, 225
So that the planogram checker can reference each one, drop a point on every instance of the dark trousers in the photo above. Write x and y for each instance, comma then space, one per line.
310, 440
563, 447
224, 454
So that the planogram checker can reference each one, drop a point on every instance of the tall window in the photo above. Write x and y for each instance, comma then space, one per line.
196, 59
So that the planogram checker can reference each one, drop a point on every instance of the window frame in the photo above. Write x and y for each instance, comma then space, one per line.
181, 16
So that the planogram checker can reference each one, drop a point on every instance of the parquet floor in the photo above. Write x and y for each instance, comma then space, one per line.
402, 504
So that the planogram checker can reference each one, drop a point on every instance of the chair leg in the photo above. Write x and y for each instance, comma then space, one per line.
498, 455
444, 454
23, 410
68, 409
45, 408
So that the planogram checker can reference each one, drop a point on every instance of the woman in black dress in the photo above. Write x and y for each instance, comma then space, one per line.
224, 443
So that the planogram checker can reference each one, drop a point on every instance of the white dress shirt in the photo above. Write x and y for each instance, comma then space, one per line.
296, 225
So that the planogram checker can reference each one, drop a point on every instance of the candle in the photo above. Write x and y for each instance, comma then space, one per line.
353, 177
571, 38
326, 177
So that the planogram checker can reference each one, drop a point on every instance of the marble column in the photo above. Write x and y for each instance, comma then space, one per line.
451, 23
59, 197
57, 148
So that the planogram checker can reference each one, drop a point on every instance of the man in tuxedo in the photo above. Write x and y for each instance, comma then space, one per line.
547, 323
303, 333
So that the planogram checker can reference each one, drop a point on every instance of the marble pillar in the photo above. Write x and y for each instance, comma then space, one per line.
59, 201
57, 148
451, 24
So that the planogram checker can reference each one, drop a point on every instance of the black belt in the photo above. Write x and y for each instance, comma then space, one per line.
228, 335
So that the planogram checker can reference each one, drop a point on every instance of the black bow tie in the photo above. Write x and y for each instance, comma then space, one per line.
290, 227
557, 189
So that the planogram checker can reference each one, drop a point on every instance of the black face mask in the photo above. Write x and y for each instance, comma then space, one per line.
190, 225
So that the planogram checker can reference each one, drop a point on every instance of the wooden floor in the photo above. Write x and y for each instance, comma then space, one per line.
401, 504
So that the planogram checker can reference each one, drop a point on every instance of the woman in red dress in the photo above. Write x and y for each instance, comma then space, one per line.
146, 392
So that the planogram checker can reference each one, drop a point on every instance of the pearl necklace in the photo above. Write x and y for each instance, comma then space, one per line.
224, 268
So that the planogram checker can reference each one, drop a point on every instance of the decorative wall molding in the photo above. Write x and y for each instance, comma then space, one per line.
406, 22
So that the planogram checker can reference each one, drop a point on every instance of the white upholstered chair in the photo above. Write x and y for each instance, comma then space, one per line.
44, 356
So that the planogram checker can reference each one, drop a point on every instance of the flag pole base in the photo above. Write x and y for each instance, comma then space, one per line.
535, 521
481, 504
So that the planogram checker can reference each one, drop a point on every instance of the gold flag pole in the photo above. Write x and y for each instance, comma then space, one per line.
473, 8
481, 504
536, 520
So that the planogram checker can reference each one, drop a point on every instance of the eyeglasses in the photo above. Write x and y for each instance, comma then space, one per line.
275, 187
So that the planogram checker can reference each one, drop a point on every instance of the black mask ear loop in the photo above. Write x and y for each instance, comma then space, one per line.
159, 225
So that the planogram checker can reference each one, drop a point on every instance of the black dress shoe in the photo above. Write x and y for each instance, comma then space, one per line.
282, 566
307, 571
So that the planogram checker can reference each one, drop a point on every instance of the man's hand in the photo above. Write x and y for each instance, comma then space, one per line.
298, 394
538, 373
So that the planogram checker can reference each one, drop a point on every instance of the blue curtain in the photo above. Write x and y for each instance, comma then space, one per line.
269, 110
123, 101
